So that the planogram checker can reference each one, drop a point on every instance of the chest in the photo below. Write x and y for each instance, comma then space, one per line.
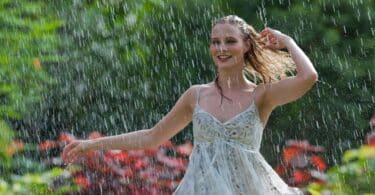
225, 108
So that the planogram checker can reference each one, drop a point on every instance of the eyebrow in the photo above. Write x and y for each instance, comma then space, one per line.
230, 37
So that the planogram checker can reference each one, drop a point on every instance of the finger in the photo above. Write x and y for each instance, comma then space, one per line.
72, 155
69, 149
264, 32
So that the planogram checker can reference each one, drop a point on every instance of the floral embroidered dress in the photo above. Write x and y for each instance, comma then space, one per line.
226, 160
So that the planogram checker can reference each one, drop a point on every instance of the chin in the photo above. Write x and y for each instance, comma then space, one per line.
224, 66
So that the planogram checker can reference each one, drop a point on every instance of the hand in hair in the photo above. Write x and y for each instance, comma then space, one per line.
274, 39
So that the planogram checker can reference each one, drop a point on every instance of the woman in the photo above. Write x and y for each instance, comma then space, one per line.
228, 114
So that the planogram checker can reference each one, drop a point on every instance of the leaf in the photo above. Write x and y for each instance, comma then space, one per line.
366, 152
350, 155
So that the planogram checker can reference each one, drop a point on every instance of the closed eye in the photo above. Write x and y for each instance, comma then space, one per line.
231, 41
215, 42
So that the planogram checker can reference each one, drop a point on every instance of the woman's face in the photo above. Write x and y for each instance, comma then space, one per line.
227, 46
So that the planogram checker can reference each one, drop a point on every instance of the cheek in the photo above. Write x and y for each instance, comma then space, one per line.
239, 49
212, 49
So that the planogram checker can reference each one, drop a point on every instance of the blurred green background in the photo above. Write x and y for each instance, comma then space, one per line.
118, 66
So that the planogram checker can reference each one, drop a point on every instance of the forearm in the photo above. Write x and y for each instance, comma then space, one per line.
304, 66
128, 141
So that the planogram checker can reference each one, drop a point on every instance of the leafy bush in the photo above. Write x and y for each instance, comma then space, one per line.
146, 171
54, 181
356, 174
301, 164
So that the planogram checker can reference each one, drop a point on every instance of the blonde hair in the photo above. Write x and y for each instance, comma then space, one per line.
264, 64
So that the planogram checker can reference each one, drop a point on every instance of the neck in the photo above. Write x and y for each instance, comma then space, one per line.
232, 79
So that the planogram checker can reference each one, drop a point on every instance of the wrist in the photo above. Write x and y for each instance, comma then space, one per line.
89, 145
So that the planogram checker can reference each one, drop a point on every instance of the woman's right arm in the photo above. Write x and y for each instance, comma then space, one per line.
178, 118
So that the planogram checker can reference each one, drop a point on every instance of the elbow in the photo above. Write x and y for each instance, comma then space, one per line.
154, 140
311, 78
150, 142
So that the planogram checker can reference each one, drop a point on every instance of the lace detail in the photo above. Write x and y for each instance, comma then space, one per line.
241, 129
226, 158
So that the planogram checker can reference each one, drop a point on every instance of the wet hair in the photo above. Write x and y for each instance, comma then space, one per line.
263, 64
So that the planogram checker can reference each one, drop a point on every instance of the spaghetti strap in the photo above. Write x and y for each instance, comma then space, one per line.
253, 94
197, 97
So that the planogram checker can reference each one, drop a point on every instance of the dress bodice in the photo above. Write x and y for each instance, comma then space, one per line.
244, 129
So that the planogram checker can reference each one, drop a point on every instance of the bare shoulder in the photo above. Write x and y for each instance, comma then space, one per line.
190, 95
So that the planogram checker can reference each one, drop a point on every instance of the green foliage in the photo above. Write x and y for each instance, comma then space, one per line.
27, 34
5, 137
124, 64
39, 183
355, 176
28, 41
118, 66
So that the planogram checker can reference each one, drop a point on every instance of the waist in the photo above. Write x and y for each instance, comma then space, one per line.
229, 142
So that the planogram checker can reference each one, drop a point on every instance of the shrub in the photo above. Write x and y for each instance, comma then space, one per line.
301, 164
356, 174
148, 171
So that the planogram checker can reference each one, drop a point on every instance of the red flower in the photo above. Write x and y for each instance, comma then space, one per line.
167, 144
140, 164
167, 183
120, 156
47, 145
185, 149
128, 172
281, 169
370, 138
301, 177
150, 152
66, 138
172, 162
82, 181
290, 152
304, 145
95, 135
318, 162
136, 153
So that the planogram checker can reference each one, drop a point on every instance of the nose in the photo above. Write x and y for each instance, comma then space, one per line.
221, 46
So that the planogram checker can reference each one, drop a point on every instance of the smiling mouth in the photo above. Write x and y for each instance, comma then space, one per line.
223, 57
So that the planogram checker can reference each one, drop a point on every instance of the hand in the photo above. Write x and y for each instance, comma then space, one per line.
74, 149
274, 39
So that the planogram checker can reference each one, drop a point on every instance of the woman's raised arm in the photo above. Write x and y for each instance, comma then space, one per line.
291, 88
178, 118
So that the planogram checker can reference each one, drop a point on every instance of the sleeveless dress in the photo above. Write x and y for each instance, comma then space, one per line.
226, 160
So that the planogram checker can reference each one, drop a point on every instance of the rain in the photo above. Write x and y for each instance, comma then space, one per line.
73, 70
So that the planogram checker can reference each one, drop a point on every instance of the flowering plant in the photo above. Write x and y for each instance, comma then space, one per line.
356, 174
148, 171
301, 163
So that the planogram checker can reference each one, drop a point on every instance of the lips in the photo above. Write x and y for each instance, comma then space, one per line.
223, 57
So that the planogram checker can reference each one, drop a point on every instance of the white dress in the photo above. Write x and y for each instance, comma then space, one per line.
226, 160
